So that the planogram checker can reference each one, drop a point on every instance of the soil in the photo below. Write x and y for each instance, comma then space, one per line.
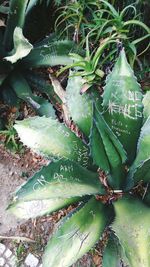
15, 170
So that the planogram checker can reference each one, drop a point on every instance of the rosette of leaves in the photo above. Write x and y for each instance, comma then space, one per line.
116, 143
19, 56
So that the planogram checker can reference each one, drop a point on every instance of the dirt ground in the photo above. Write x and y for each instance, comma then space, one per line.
15, 170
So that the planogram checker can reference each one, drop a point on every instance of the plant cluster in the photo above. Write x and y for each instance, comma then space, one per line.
98, 144
100, 20
19, 57
115, 142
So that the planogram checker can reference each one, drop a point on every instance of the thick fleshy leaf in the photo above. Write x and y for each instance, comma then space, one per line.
9, 96
42, 106
122, 105
60, 179
22, 47
77, 234
97, 150
42, 85
140, 169
56, 53
114, 254
146, 103
107, 150
16, 18
80, 106
34, 208
52, 139
132, 227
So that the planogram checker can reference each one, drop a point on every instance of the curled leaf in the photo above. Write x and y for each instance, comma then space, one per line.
22, 47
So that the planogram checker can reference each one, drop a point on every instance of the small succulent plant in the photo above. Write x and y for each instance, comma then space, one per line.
105, 169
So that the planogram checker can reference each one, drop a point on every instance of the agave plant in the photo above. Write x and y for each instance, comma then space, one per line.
102, 171
19, 56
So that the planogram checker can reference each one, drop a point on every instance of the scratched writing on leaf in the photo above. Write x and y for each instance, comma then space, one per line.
128, 110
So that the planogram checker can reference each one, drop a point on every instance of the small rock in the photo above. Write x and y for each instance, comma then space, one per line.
8, 253
2, 248
31, 261
2, 262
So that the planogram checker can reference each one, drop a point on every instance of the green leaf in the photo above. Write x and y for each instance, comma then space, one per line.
23, 91
140, 169
80, 106
107, 151
146, 103
52, 139
77, 234
113, 253
42, 85
16, 18
9, 96
42, 106
97, 150
34, 208
131, 226
22, 47
100, 122
122, 104
60, 179
56, 53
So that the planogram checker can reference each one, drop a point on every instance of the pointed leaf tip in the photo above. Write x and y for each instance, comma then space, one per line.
122, 105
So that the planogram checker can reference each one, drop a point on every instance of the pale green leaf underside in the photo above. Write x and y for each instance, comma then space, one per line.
52, 139
76, 235
60, 179
35, 208
22, 47
131, 226
16, 18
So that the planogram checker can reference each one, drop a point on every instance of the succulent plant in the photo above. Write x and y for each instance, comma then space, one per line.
105, 169
19, 57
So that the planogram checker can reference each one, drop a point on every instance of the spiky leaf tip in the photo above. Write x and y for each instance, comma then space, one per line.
122, 105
